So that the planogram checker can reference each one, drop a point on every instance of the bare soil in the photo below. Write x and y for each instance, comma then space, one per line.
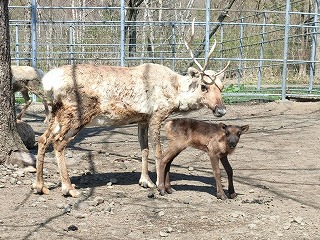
276, 170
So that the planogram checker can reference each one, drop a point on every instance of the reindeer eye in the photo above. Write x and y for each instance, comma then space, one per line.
227, 133
204, 88
239, 133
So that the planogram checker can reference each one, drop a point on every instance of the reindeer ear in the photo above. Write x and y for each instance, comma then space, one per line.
188, 84
245, 128
193, 72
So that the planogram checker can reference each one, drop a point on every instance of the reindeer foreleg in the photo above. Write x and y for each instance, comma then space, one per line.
145, 180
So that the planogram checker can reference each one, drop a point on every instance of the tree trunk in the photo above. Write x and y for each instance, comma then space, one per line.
131, 29
12, 149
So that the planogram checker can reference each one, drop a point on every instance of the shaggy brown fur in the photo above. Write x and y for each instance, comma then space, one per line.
218, 140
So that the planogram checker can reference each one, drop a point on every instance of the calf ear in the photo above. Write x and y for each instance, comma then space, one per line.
223, 126
245, 128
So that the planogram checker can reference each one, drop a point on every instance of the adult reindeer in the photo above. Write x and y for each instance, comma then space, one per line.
26, 79
115, 96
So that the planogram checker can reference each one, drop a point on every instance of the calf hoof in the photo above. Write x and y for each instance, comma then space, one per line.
170, 190
40, 188
233, 195
162, 192
166, 190
221, 196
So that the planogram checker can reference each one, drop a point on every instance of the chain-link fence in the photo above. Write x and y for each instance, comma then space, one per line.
272, 47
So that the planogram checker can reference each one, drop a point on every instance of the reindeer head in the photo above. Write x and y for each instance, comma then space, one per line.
209, 81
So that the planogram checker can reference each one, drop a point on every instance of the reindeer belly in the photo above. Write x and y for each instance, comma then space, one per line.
117, 113
118, 120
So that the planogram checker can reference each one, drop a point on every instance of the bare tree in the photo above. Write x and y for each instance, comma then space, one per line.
303, 48
12, 149
131, 29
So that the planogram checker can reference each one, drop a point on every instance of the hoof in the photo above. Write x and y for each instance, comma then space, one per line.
71, 191
40, 189
162, 192
222, 196
146, 183
74, 193
170, 190
233, 195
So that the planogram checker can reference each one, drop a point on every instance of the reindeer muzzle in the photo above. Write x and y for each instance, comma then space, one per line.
232, 142
219, 111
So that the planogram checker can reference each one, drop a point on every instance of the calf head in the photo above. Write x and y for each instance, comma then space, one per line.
233, 133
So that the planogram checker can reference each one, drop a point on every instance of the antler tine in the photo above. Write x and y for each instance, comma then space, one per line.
189, 48
217, 74
209, 55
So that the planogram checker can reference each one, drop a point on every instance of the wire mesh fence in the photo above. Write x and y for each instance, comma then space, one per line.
272, 48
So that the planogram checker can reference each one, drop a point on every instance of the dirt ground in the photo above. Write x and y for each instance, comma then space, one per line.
276, 170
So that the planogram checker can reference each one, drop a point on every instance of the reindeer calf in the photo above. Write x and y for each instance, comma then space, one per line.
218, 140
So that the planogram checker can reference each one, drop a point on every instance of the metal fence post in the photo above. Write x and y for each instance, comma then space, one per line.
240, 52
221, 45
17, 45
261, 52
285, 51
173, 47
207, 28
313, 44
34, 32
34, 37
71, 43
122, 33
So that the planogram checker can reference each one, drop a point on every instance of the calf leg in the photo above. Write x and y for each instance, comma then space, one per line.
145, 180
217, 175
163, 171
229, 172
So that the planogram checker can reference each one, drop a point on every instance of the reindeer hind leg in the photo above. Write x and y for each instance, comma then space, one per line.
43, 144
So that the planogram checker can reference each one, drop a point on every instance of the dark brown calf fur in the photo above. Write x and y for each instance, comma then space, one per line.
218, 140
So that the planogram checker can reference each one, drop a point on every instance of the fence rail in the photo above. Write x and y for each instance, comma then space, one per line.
272, 51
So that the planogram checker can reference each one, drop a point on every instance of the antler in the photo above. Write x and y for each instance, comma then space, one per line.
189, 48
202, 69
209, 55
191, 52
217, 74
